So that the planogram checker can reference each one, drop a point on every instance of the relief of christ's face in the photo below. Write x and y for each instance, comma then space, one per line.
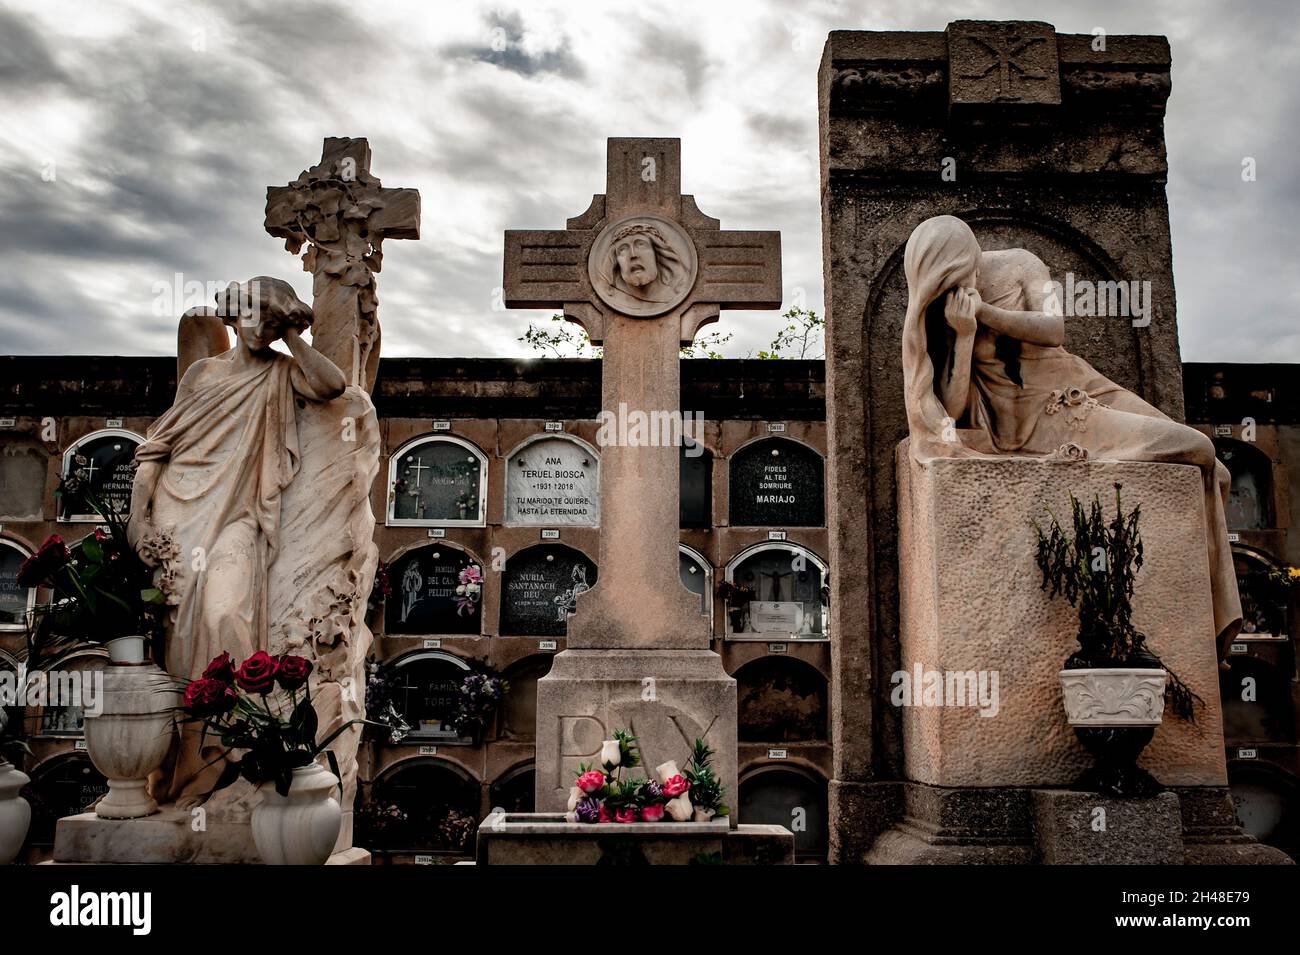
636, 260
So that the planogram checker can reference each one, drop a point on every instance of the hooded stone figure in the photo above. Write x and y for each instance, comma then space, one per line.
205, 505
984, 371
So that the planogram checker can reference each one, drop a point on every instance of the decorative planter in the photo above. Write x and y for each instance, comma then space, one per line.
1115, 712
1121, 696
15, 813
125, 650
130, 737
302, 828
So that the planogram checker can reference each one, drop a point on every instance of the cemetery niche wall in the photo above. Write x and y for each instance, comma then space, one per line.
540, 588
15, 601
778, 590
437, 481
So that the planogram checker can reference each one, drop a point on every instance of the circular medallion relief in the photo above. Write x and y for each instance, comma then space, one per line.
642, 265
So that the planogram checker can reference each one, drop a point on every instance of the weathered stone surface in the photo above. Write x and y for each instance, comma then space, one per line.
939, 826
970, 600
1074, 828
666, 698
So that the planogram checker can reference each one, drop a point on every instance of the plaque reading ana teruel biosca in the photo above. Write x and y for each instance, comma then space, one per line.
553, 481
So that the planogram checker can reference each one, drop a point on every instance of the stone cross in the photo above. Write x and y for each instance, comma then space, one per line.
641, 271
344, 214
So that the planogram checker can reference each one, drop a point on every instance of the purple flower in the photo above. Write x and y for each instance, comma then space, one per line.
652, 790
588, 810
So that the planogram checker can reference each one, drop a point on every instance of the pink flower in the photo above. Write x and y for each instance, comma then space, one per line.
652, 813
471, 575
591, 781
625, 815
605, 815
676, 786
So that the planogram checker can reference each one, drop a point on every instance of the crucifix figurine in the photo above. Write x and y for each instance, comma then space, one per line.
342, 211
642, 270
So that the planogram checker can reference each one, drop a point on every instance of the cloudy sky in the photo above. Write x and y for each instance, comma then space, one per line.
137, 139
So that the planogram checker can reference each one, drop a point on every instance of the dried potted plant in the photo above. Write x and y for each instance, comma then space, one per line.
1114, 686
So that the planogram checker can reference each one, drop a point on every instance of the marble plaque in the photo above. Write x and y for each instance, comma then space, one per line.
437, 482
110, 471
434, 591
13, 599
22, 479
553, 481
777, 482
541, 588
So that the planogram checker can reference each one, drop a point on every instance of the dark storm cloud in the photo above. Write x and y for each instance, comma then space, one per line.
25, 59
676, 50
503, 46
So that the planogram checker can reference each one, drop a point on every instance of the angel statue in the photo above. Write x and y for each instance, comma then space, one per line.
206, 506
984, 372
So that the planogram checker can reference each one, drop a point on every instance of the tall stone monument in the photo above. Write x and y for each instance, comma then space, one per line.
641, 271
1053, 144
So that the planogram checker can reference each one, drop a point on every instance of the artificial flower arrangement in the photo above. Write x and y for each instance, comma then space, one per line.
479, 696
469, 590
604, 795
264, 708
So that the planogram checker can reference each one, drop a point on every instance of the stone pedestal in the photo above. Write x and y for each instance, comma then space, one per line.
666, 698
546, 839
169, 836
970, 601
1074, 828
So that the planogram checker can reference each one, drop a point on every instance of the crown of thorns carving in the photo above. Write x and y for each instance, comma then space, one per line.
626, 231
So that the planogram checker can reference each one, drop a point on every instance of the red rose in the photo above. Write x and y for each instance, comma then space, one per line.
652, 813
221, 668
257, 674
591, 782
293, 671
625, 815
52, 556
605, 814
209, 697
676, 786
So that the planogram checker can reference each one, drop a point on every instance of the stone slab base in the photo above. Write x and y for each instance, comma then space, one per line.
1078, 828
546, 839
957, 827
166, 837
665, 698
859, 813
1211, 835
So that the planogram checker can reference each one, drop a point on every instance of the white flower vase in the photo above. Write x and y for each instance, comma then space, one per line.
15, 813
130, 737
679, 808
303, 827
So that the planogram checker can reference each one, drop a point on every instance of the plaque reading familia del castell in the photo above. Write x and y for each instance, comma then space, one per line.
553, 481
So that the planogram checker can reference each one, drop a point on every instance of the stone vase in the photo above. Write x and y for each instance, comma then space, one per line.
301, 828
1115, 712
15, 812
130, 737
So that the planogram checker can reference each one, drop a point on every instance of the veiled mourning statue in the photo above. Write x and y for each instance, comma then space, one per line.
985, 372
206, 505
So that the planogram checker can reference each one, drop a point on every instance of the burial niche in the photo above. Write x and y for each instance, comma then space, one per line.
514, 792
553, 481
1256, 699
541, 588
421, 805
22, 479
791, 798
1264, 589
66, 718
780, 699
776, 590
1251, 496
697, 575
519, 707
1268, 803
437, 481
695, 504
426, 690
109, 457
437, 588
777, 482
15, 601
63, 785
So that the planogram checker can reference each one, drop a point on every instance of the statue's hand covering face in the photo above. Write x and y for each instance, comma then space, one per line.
261, 309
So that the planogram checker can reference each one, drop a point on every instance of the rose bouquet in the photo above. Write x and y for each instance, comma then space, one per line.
263, 708
480, 695
604, 795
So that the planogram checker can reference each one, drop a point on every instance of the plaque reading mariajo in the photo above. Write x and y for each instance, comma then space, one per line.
109, 473
437, 481
553, 481
435, 589
777, 482
540, 590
